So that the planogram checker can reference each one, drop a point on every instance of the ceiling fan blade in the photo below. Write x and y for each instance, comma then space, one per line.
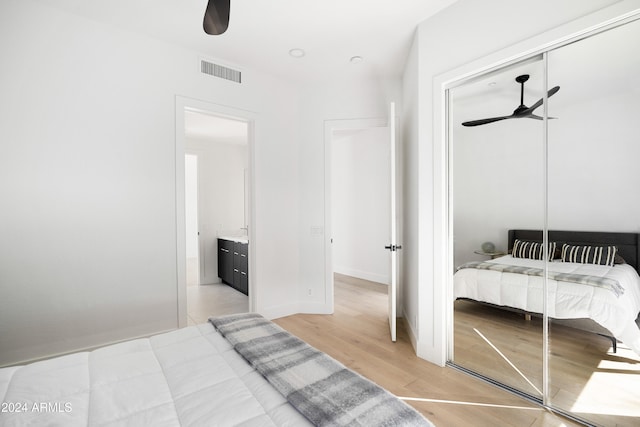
533, 116
485, 121
216, 17
522, 111
551, 92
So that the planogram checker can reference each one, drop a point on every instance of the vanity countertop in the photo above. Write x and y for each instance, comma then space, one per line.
239, 239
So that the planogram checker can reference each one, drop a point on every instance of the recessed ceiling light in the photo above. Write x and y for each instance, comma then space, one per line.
297, 53
356, 59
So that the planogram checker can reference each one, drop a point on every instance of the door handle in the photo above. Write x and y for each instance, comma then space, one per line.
393, 248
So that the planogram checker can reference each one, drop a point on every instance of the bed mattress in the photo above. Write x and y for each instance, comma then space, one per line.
188, 377
566, 300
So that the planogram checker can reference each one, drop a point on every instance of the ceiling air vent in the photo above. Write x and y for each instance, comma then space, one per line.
216, 70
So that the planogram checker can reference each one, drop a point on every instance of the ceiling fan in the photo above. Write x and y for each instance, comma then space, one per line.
216, 17
522, 111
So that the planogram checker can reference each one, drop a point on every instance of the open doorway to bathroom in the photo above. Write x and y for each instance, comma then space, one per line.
216, 152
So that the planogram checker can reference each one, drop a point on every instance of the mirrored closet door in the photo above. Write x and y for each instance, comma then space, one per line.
545, 226
497, 179
594, 179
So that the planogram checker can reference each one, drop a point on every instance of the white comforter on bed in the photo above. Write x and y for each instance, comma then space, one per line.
566, 300
188, 377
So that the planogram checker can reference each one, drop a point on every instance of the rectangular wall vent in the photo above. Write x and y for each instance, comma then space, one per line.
220, 71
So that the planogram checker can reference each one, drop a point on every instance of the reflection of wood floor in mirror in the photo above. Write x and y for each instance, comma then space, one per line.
586, 376
357, 335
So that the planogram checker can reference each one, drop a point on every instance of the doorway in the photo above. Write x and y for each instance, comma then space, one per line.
359, 213
214, 200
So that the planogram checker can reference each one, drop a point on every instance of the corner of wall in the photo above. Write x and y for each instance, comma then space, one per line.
413, 334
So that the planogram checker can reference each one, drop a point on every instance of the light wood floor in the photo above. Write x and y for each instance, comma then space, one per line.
357, 335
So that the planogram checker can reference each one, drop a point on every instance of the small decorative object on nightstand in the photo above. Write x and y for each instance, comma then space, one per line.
489, 249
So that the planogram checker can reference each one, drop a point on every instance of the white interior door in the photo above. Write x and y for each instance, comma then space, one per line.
393, 246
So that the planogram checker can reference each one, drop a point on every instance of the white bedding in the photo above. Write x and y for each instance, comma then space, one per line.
188, 377
566, 300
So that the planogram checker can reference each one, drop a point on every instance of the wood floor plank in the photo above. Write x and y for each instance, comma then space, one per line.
357, 336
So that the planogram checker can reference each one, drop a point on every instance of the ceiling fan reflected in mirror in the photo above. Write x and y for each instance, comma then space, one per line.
216, 17
522, 111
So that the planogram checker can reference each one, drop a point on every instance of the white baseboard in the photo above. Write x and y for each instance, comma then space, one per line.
276, 312
315, 308
366, 275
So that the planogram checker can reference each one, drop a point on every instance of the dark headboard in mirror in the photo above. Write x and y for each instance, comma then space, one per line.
627, 243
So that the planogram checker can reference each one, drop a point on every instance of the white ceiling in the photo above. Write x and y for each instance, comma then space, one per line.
261, 32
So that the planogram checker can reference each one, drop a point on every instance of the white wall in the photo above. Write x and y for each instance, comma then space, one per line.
465, 37
360, 203
88, 181
221, 196
593, 163
410, 172
593, 146
498, 184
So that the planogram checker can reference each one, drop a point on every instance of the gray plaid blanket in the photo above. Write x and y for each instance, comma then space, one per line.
598, 281
322, 389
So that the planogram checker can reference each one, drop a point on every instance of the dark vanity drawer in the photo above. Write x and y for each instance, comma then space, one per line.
233, 264
225, 260
241, 267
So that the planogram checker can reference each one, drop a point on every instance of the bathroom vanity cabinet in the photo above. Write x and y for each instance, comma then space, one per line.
233, 263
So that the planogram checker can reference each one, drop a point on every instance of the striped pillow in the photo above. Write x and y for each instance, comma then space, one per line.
603, 255
531, 250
